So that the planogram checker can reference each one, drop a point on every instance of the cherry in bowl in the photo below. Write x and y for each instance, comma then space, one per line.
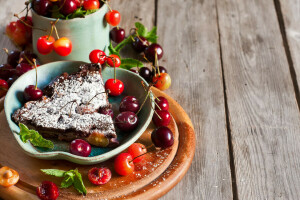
80, 147
129, 103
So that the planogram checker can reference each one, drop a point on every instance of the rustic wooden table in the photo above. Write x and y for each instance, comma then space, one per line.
235, 69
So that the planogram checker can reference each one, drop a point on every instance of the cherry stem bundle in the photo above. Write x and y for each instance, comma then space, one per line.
52, 27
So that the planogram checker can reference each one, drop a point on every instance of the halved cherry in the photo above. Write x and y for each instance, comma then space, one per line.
123, 164
45, 44
8, 176
114, 87
113, 60
63, 46
113, 17
99, 176
47, 191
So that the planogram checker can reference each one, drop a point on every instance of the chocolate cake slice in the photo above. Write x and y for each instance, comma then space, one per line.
70, 109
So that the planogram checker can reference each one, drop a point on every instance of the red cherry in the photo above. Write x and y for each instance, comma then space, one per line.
3, 87
97, 56
113, 17
162, 81
164, 119
137, 149
115, 87
91, 4
161, 103
45, 44
69, 6
113, 61
162, 137
16, 31
28, 34
63, 46
123, 164
78, 3
22, 68
47, 191
117, 34
80, 148
31, 93
99, 176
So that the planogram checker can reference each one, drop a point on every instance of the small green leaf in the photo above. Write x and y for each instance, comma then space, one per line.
56, 14
67, 182
34, 137
88, 12
112, 50
78, 183
54, 172
151, 35
128, 63
141, 29
123, 44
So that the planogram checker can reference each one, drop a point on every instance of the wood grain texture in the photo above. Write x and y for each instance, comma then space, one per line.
188, 33
263, 112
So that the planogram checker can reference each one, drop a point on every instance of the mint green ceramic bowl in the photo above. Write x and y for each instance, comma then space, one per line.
86, 34
46, 73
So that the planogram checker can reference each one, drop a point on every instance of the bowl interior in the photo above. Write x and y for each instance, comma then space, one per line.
46, 73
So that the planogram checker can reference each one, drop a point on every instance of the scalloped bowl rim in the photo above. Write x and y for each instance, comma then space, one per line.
56, 155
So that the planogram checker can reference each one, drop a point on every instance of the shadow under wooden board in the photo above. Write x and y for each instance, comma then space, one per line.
161, 172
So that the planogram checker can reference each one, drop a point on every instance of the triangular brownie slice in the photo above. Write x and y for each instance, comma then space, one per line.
70, 109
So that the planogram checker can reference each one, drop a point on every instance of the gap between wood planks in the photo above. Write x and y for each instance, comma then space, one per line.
231, 157
287, 50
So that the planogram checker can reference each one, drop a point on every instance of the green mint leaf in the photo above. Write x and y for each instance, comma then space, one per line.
54, 172
78, 183
34, 137
128, 63
77, 13
88, 12
123, 44
112, 50
67, 182
141, 29
151, 36
56, 14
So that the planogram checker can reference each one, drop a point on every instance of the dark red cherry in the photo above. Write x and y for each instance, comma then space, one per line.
32, 94
117, 34
161, 118
150, 52
161, 70
27, 54
42, 7
126, 121
13, 58
162, 137
107, 111
162, 102
140, 44
145, 73
69, 7
47, 191
6, 71
23, 68
12, 79
80, 148
129, 103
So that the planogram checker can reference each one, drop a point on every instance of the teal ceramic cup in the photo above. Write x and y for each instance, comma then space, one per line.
86, 34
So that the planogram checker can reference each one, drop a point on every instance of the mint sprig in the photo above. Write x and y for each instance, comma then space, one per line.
128, 63
71, 177
151, 36
34, 137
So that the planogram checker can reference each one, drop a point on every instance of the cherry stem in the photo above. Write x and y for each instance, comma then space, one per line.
17, 16
146, 58
94, 97
141, 155
148, 93
107, 4
29, 61
56, 32
36, 74
59, 7
52, 27
6, 50
115, 73
156, 63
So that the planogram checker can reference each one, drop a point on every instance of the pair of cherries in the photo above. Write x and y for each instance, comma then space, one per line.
46, 44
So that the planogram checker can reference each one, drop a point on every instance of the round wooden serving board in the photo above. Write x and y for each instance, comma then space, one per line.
161, 171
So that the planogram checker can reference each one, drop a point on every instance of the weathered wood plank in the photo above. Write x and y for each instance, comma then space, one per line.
189, 35
263, 112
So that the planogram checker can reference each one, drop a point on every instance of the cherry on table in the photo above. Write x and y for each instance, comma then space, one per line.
113, 60
63, 46
6, 71
117, 34
69, 6
123, 164
114, 87
45, 44
161, 118
80, 147
126, 121
140, 44
113, 17
98, 56
136, 150
162, 81
47, 191
153, 49
161, 70
145, 73
3, 87
99, 176
129, 103
161, 103
42, 7
162, 137
31, 93
91, 4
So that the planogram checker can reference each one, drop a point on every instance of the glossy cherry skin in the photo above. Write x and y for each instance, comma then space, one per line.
47, 191
162, 137
123, 164
113, 17
32, 94
126, 121
27, 55
137, 149
150, 52
22, 68
114, 87
45, 44
78, 3
16, 31
98, 56
113, 60
80, 148
145, 73
129, 103
6, 71
107, 111
91, 4
42, 7
165, 118
162, 81
68, 7
3, 87
13, 58
63, 46
140, 44
117, 34
161, 70
161, 104
99, 176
